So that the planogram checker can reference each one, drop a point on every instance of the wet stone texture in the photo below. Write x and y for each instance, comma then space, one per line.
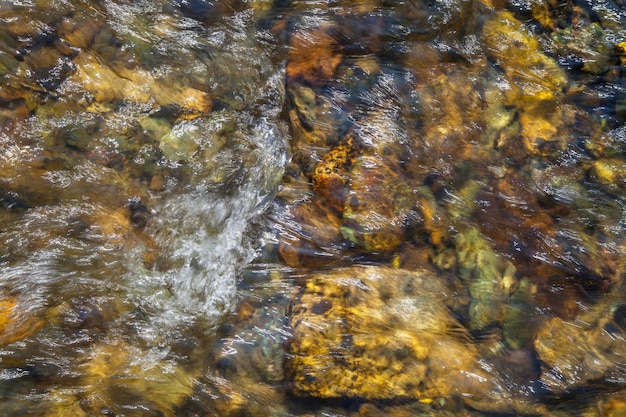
107, 113
380, 333
447, 239
478, 159
589, 348
379, 207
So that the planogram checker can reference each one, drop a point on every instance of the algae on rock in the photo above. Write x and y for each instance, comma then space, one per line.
488, 276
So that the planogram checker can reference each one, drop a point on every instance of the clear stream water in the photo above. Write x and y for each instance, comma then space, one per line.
143, 143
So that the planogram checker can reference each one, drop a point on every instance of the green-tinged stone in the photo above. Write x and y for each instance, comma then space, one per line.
520, 320
590, 44
462, 208
303, 100
348, 234
177, 142
8, 64
488, 277
181, 142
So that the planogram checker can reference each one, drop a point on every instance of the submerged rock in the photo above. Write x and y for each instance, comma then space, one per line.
585, 47
521, 320
16, 322
116, 373
534, 83
318, 42
379, 205
488, 276
609, 172
303, 100
310, 235
532, 75
137, 85
382, 334
332, 173
585, 351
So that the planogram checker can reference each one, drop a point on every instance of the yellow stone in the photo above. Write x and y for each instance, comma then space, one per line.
533, 126
616, 407
113, 222
621, 48
118, 365
541, 11
603, 173
609, 171
104, 84
543, 126
137, 85
64, 405
533, 75
6, 308
380, 333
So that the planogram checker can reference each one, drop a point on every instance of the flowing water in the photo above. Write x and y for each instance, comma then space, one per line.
285, 208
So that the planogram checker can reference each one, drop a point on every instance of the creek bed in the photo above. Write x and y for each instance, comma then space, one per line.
312, 208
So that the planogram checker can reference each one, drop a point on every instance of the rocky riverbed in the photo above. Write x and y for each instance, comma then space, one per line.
312, 208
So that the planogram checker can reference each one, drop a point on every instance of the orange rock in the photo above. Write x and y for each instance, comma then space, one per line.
543, 12
157, 183
620, 49
615, 406
332, 173
311, 235
15, 326
376, 213
314, 56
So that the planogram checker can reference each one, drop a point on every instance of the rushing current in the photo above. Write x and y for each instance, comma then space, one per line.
127, 188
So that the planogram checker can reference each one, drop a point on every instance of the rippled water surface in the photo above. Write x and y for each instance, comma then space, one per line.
312, 208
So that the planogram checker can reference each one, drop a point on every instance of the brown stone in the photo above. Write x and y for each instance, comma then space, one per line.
310, 235
317, 43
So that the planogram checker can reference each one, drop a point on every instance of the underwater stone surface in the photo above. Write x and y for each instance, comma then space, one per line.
382, 333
